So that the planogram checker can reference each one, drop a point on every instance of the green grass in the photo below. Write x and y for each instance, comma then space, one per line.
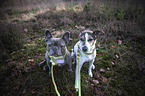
120, 51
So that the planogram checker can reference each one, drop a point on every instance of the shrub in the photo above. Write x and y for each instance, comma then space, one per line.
121, 15
11, 38
88, 6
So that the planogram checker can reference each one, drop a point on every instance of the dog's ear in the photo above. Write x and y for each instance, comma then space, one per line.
65, 37
48, 35
96, 34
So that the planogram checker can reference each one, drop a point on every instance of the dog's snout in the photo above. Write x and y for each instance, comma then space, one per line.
55, 49
85, 49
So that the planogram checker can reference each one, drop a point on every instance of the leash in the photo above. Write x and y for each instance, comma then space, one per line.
53, 63
58, 94
78, 56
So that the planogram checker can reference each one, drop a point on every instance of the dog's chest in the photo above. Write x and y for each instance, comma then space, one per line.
58, 62
87, 58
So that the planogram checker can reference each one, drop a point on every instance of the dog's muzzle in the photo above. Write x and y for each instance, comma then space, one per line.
85, 49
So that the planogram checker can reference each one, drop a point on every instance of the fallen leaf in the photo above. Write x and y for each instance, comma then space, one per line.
70, 39
112, 63
22, 49
26, 30
108, 68
13, 52
102, 70
98, 45
33, 92
104, 79
95, 82
24, 91
119, 42
97, 58
87, 81
31, 60
92, 84
119, 92
117, 56
98, 75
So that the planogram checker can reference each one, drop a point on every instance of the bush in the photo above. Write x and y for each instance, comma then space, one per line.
121, 15
88, 7
11, 38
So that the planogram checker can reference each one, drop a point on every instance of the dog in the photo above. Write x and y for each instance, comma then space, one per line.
56, 51
87, 51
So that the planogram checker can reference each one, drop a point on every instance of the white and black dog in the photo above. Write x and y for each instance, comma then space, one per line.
86, 47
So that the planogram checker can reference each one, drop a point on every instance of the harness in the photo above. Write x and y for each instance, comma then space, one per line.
53, 63
53, 60
78, 57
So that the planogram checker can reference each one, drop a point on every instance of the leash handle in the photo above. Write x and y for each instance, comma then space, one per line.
58, 94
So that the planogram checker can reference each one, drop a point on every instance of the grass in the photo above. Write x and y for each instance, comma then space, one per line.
119, 63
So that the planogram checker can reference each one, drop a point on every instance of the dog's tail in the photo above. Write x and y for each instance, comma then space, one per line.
73, 56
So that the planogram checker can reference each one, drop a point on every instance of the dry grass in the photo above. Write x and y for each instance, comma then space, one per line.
120, 54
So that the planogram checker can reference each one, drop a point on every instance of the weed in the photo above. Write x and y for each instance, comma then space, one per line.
121, 15
69, 8
88, 7
52, 8
35, 10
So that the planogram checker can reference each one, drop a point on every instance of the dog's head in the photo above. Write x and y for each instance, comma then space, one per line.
56, 46
88, 40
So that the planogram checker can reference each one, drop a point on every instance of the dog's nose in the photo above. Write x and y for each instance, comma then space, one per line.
85, 49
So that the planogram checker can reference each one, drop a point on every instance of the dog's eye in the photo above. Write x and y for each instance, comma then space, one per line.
90, 39
49, 45
81, 39
62, 46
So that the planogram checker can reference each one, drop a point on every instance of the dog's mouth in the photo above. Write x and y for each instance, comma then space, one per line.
56, 55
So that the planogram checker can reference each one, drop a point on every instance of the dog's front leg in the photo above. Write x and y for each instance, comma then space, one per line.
69, 60
91, 65
42, 63
49, 66
77, 74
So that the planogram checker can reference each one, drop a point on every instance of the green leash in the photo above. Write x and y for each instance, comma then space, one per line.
78, 56
53, 63
58, 94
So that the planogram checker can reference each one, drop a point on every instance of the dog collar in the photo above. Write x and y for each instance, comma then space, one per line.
53, 60
87, 53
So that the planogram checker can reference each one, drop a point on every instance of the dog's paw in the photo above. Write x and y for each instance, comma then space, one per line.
77, 89
49, 74
45, 67
40, 64
70, 70
73, 62
90, 74
93, 66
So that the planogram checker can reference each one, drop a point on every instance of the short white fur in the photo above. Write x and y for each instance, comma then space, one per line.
84, 57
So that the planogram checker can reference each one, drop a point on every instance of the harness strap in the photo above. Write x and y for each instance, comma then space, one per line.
54, 60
